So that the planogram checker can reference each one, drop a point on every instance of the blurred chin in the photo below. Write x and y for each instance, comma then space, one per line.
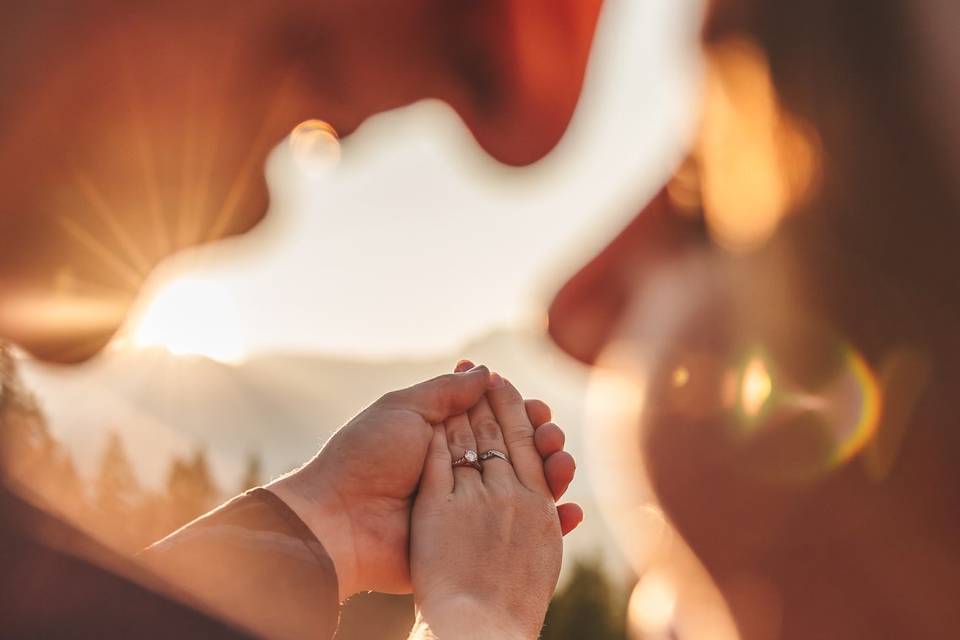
517, 146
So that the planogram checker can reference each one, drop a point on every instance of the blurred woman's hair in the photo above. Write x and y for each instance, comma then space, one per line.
864, 75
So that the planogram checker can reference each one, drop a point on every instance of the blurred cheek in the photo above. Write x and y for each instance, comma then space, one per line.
723, 399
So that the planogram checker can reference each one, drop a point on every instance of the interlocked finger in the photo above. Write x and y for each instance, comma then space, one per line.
489, 437
463, 446
508, 407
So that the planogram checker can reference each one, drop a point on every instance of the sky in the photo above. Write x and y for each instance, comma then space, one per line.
417, 242
415, 249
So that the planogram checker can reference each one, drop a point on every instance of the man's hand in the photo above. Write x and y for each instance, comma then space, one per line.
356, 494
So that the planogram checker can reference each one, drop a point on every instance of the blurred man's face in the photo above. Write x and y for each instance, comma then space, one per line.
134, 130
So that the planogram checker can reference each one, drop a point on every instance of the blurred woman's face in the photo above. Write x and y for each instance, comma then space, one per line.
737, 392
741, 387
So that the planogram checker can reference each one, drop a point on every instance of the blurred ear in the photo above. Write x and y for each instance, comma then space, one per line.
523, 65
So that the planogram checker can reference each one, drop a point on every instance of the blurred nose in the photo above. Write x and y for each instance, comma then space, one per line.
587, 310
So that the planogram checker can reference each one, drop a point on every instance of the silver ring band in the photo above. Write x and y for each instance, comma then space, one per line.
493, 453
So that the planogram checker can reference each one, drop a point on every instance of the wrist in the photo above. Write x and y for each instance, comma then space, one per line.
466, 618
321, 510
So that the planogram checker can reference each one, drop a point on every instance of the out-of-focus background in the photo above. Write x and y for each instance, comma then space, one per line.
241, 357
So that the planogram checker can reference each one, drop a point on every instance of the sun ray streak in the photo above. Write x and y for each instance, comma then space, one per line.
207, 162
241, 182
141, 136
109, 218
103, 289
201, 192
186, 216
145, 156
100, 250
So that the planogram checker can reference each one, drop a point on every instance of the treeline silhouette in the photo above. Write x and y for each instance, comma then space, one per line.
115, 507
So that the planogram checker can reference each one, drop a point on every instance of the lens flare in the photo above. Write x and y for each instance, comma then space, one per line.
652, 604
757, 161
315, 146
755, 387
848, 405
857, 388
675, 597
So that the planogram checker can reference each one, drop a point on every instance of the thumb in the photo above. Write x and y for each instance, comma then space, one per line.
444, 396
437, 476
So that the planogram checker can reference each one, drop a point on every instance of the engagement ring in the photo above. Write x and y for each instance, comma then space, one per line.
468, 459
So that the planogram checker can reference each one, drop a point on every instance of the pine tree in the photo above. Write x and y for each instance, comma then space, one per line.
253, 474
206, 490
9, 377
63, 487
25, 441
116, 498
589, 606
117, 491
190, 489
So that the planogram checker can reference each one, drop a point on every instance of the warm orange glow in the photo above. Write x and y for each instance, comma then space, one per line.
62, 314
681, 376
652, 604
756, 387
315, 146
756, 161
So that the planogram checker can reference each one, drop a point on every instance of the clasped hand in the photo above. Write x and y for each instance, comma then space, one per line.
395, 516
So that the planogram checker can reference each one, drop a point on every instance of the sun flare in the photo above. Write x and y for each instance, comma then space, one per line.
191, 316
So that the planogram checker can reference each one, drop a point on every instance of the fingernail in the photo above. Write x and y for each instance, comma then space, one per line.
495, 381
463, 365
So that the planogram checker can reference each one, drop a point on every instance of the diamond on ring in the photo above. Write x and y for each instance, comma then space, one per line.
468, 459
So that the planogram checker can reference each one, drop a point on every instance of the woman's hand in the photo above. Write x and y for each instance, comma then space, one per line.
356, 494
486, 545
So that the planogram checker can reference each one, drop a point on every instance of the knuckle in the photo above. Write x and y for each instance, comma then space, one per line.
520, 436
508, 395
462, 438
553, 428
503, 495
546, 511
550, 435
437, 454
493, 499
559, 461
487, 428
389, 398
443, 381
512, 398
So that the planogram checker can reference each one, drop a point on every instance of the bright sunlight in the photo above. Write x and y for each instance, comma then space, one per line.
170, 321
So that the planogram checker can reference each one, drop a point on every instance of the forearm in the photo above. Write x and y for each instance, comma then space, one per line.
326, 518
253, 561
465, 619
